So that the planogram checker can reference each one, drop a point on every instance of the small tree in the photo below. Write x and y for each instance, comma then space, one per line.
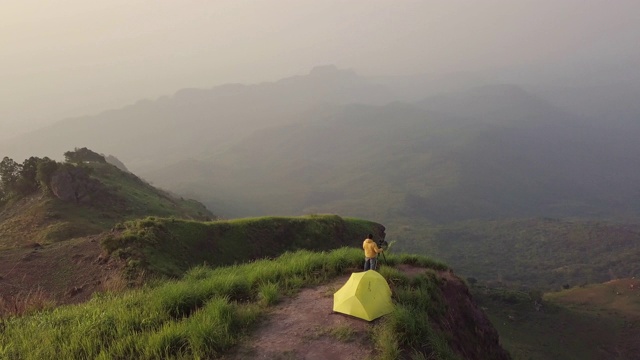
46, 168
81, 155
27, 182
9, 175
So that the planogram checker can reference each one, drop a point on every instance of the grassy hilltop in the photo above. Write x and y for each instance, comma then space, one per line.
35, 214
210, 311
170, 246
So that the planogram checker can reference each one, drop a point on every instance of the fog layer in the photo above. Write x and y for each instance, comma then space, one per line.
72, 57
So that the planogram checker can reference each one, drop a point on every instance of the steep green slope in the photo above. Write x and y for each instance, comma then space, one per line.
142, 199
170, 246
151, 133
42, 217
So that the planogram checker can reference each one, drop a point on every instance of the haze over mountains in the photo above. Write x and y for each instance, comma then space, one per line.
334, 141
498, 137
193, 121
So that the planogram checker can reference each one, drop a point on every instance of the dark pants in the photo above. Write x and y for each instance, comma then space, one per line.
370, 263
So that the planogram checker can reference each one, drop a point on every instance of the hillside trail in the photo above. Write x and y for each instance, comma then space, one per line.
305, 327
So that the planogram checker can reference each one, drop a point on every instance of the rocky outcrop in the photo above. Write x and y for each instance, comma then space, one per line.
73, 184
468, 331
473, 337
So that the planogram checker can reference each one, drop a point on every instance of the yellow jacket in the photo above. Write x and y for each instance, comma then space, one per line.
371, 249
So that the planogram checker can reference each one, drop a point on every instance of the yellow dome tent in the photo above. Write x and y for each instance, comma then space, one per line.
365, 295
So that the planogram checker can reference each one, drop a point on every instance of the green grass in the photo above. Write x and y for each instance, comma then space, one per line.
169, 246
210, 310
269, 293
143, 199
343, 333
407, 327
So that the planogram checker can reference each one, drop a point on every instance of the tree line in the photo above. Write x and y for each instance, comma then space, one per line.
19, 180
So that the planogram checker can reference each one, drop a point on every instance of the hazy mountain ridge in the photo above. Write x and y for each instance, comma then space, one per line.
193, 121
412, 88
300, 145
504, 104
521, 156
338, 155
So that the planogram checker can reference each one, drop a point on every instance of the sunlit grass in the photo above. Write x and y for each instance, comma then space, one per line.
269, 293
205, 313
150, 244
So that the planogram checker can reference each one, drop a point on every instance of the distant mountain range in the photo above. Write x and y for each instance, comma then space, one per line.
149, 133
333, 141
490, 152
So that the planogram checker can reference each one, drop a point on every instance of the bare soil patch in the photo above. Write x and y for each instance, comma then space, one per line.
65, 272
305, 327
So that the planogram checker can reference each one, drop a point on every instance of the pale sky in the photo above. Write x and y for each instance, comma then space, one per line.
61, 58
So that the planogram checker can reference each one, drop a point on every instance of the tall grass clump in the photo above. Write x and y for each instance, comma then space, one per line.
181, 298
269, 293
198, 273
386, 341
344, 333
341, 259
25, 302
416, 260
408, 328
394, 276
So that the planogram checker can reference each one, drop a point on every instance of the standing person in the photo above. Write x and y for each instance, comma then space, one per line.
371, 251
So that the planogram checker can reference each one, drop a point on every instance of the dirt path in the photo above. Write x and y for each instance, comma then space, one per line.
305, 327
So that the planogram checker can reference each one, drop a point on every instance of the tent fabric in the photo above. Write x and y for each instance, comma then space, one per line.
365, 295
